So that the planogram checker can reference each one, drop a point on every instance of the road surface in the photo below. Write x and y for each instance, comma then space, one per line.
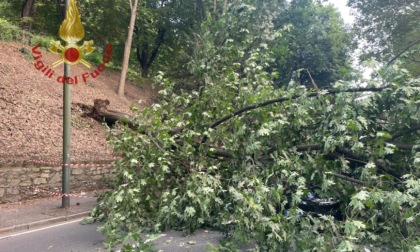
71, 236
68, 236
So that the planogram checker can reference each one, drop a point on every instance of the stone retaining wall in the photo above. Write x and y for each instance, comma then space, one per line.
21, 183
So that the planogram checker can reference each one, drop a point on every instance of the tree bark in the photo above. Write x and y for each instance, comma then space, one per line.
61, 9
101, 113
127, 49
215, 8
28, 11
224, 7
201, 9
143, 53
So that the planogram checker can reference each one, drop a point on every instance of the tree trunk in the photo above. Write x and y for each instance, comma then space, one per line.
28, 11
101, 113
61, 9
145, 72
214, 8
201, 9
127, 49
143, 53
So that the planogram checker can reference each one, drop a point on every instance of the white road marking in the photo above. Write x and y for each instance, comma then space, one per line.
40, 229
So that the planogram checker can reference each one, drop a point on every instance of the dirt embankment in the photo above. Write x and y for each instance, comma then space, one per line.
31, 108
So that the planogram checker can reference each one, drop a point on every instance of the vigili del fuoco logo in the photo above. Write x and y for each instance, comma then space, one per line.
71, 31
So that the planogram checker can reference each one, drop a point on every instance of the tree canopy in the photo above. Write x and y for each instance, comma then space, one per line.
317, 42
389, 28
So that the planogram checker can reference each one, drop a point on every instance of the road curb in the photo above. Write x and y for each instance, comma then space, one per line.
40, 223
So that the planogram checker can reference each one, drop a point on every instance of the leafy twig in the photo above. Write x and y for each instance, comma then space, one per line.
283, 99
402, 52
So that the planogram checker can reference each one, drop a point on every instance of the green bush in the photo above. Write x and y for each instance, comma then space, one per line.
95, 58
8, 31
43, 41
135, 76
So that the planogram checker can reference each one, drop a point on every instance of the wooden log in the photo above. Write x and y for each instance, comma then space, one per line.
101, 113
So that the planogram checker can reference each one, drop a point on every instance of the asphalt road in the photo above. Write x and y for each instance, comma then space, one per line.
73, 237
68, 236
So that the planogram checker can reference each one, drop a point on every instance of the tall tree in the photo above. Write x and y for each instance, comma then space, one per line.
127, 49
389, 28
162, 32
316, 41
28, 12
147, 52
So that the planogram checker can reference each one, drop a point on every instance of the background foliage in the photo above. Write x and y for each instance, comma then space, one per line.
389, 28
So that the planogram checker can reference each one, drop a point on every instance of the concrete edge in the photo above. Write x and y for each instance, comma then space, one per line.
40, 223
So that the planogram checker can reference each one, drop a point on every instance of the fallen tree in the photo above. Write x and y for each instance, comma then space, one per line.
241, 156
101, 113
257, 162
